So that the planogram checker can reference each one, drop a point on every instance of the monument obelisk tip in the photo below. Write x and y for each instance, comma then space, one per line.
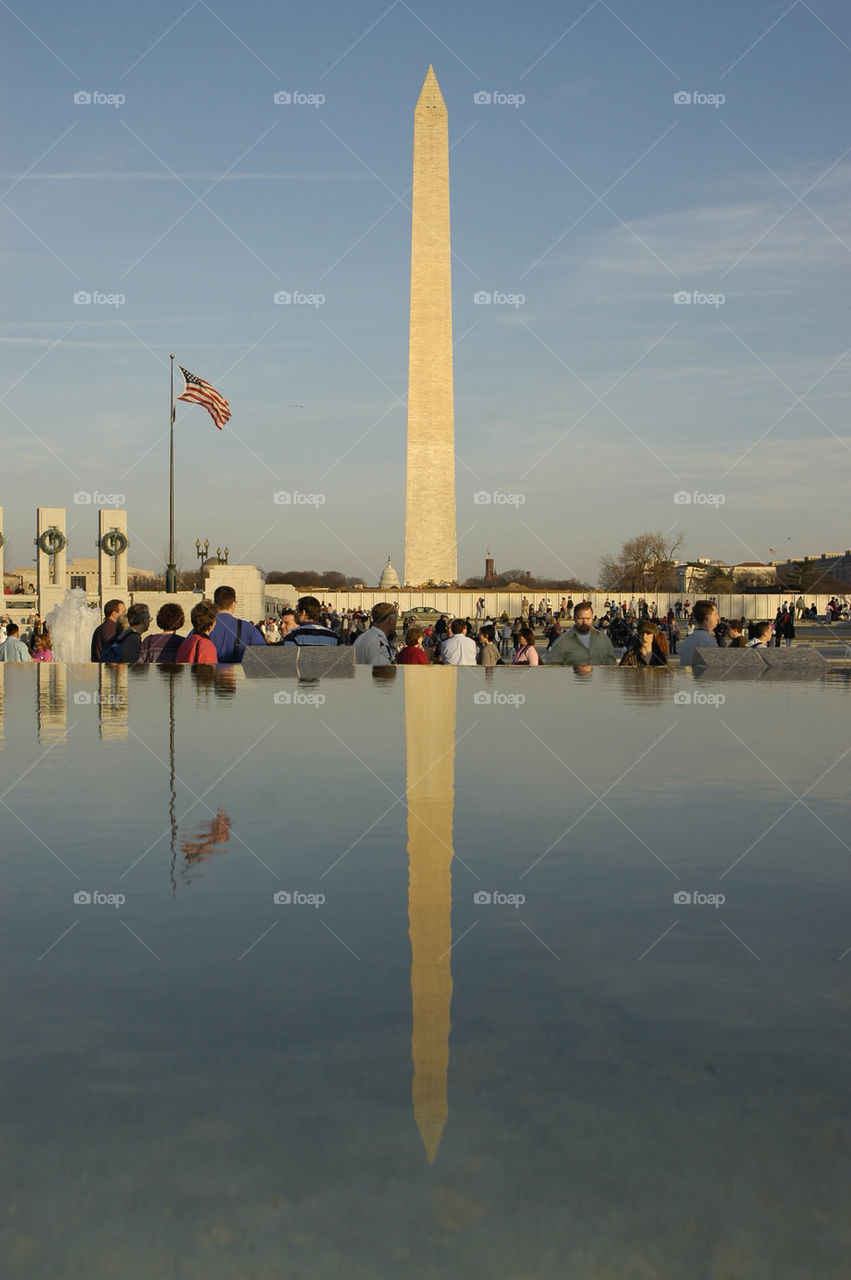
430, 95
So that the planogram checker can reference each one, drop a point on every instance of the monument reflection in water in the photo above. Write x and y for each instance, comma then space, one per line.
430, 791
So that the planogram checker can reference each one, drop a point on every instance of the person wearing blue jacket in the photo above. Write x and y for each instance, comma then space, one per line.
232, 635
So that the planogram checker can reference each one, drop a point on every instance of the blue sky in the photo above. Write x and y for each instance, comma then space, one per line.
580, 410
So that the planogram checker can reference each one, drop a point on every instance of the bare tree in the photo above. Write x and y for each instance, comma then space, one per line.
646, 562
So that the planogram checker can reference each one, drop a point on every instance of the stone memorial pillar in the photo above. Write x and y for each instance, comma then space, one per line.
247, 582
51, 541
112, 547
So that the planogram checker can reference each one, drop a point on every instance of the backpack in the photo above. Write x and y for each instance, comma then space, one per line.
114, 651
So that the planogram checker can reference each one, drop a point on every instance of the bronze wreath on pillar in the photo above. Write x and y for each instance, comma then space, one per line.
113, 543
52, 541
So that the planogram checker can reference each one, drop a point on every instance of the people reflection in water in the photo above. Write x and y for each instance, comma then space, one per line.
222, 680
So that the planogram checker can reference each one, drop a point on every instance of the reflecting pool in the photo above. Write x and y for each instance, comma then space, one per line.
428, 973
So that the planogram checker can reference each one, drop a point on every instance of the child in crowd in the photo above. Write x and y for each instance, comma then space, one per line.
42, 651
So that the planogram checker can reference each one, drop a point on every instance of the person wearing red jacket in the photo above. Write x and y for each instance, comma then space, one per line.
413, 653
198, 647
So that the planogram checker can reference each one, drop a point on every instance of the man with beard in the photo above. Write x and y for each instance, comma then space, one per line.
582, 645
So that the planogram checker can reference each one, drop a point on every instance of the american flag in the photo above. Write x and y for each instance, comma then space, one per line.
197, 391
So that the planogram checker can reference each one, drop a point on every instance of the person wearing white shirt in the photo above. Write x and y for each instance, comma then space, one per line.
459, 650
13, 649
703, 636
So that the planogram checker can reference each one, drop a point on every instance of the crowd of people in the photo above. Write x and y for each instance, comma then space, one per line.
632, 632
28, 643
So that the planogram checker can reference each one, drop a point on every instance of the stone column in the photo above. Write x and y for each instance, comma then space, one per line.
2, 553
51, 575
431, 552
247, 582
112, 570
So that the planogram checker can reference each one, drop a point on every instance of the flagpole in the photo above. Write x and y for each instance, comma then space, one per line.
171, 571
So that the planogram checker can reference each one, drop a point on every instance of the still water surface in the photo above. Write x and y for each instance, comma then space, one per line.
476, 1034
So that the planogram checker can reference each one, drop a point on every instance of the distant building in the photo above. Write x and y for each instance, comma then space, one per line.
389, 580
81, 572
692, 574
753, 573
836, 565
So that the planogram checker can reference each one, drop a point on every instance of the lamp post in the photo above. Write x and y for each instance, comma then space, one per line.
202, 550
222, 556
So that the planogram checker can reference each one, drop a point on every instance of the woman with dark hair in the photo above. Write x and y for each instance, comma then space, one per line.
779, 623
527, 654
789, 627
164, 646
648, 649
413, 653
488, 651
198, 647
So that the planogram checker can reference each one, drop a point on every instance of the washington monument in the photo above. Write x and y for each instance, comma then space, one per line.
431, 552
